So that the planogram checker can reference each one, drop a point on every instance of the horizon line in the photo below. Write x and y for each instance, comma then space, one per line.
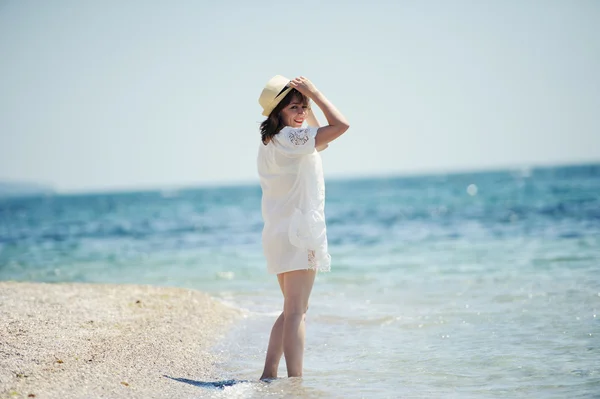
330, 178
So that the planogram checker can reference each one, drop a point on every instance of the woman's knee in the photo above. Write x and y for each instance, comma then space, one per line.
293, 306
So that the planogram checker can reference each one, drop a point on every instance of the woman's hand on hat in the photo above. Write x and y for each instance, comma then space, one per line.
304, 86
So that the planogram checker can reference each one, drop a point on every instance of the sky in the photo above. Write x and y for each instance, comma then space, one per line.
113, 95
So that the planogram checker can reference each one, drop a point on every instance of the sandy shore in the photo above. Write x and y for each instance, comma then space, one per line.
106, 341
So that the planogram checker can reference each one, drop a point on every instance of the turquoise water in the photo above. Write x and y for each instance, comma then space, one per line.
467, 285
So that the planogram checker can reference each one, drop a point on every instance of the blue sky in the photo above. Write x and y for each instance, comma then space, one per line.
142, 94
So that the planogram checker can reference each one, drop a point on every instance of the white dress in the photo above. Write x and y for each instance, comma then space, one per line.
294, 235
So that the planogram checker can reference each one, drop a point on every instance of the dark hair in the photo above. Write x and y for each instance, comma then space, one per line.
273, 124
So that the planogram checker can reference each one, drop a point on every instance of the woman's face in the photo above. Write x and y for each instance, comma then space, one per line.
294, 113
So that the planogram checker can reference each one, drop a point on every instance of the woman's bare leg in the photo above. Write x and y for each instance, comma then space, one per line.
297, 286
275, 349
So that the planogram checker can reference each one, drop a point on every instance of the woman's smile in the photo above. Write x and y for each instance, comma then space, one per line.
294, 114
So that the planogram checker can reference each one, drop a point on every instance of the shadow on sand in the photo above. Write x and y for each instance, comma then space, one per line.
290, 386
210, 384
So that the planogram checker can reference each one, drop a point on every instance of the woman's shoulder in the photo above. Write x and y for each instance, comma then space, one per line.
290, 129
296, 136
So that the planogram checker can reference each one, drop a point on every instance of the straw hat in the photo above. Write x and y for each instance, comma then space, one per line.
275, 90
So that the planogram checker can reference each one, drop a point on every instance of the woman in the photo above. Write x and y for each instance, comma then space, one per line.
291, 177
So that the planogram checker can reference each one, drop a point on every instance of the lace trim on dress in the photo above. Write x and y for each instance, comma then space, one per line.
299, 136
313, 264
311, 258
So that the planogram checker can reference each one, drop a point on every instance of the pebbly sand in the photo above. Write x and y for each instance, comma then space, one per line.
107, 341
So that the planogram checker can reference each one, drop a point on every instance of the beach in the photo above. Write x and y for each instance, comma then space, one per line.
78, 340
475, 285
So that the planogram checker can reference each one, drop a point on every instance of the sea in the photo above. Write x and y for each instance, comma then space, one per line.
448, 285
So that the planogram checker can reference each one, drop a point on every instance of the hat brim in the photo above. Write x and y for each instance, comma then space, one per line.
267, 111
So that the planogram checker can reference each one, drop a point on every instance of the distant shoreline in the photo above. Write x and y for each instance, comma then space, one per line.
170, 189
74, 340
16, 189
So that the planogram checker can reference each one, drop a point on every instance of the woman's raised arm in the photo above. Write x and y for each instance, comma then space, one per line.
337, 123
